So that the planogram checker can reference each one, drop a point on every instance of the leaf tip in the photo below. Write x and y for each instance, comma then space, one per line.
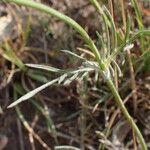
12, 105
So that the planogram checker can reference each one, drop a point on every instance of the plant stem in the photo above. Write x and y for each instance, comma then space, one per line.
114, 89
93, 48
126, 114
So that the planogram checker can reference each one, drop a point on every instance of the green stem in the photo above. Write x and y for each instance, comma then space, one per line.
126, 114
93, 48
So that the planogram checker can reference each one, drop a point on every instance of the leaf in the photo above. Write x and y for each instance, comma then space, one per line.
83, 76
10, 55
32, 93
74, 54
112, 27
44, 67
62, 78
66, 147
51, 127
100, 39
91, 65
37, 77
80, 70
128, 28
68, 81
118, 69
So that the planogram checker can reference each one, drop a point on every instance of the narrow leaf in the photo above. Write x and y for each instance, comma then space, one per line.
66, 147
32, 93
44, 67
73, 54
